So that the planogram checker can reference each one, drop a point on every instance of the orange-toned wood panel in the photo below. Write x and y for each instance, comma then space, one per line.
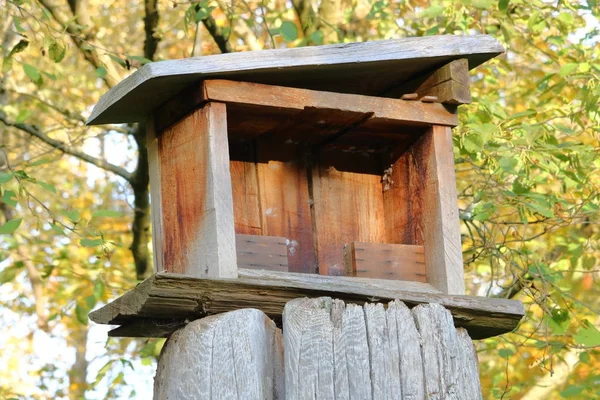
386, 261
348, 207
246, 202
285, 202
197, 221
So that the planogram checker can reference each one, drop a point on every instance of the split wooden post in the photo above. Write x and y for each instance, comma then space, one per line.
191, 185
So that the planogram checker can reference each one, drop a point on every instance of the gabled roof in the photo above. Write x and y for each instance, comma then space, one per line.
368, 68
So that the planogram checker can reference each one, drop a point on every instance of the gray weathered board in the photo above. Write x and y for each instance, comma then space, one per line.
332, 351
369, 68
164, 302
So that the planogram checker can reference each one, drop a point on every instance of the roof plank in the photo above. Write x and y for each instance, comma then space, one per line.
368, 68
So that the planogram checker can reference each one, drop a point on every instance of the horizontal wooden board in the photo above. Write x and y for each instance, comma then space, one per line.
171, 297
261, 252
387, 261
368, 68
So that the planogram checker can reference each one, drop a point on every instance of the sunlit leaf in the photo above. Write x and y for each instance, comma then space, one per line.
57, 51
82, 314
587, 335
106, 213
10, 226
5, 177
288, 31
91, 242
33, 73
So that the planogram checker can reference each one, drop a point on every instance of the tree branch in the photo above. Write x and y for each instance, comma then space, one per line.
217, 35
65, 148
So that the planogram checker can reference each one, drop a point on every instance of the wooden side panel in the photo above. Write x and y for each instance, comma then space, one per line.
261, 252
285, 203
348, 207
197, 205
387, 261
155, 194
422, 207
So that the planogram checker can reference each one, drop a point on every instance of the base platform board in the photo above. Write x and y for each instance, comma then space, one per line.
165, 302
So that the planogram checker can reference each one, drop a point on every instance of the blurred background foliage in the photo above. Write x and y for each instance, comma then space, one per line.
74, 223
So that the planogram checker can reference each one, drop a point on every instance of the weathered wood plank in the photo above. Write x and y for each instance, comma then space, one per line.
386, 261
285, 202
287, 98
197, 225
366, 68
423, 200
261, 252
237, 355
343, 351
155, 194
171, 296
450, 84
246, 203
347, 207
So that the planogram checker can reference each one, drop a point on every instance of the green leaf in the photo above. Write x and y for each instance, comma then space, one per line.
317, 37
587, 335
473, 143
9, 197
503, 5
47, 186
505, 353
288, 31
201, 14
57, 229
82, 314
57, 51
10, 226
106, 213
100, 72
568, 69
508, 164
33, 73
39, 162
118, 60
72, 215
572, 390
91, 242
522, 114
483, 4
8, 274
98, 290
432, 11
566, 17
5, 177
140, 59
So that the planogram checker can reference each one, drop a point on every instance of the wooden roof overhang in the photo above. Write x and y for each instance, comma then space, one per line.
377, 68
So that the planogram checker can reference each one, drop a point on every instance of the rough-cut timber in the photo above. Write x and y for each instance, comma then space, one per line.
380, 65
423, 200
197, 227
237, 355
167, 299
261, 252
450, 84
404, 262
344, 351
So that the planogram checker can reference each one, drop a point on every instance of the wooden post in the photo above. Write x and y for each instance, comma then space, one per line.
237, 355
190, 175
332, 351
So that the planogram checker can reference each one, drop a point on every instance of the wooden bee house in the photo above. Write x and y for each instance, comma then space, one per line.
331, 160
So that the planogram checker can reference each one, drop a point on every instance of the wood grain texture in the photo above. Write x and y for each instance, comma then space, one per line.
450, 84
171, 297
378, 64
338, 351
347, 207
386, 261
236, 355
423, 200
262, 252
155, 194
196, 198
246, 199
285, 202
286, 98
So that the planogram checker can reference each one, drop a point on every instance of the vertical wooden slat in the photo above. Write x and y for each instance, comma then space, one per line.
285, 202
155, 194
348, 207
421, 208
197, 205
246, 205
